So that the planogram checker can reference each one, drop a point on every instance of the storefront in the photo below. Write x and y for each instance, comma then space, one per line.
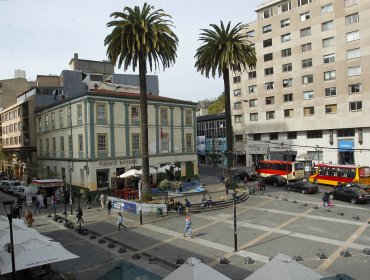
345, 152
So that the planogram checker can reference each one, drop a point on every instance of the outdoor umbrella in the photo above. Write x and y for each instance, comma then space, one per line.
137, 173
167, 167
339, 277
194, 269
20, 235
284, 267
34, 252
17, 223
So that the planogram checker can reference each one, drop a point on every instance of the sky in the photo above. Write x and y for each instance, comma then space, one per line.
41, 36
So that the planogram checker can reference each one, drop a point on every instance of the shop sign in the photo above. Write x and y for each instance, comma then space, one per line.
116, 162
123, 205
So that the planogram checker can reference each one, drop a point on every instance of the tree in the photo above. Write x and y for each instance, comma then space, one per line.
141, 37
224, 50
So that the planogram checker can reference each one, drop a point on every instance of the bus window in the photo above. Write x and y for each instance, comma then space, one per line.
298, 166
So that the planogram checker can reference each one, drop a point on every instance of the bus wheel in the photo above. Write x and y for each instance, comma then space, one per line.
315, 182
304, 191
353, 201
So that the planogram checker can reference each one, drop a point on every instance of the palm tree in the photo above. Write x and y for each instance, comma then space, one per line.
141, 37
224, 49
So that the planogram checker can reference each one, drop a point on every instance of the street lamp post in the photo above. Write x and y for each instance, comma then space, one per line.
8, 206
70, 185
235, 228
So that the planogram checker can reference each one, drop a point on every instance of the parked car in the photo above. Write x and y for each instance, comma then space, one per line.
301, 186
251, 175
350, 194
355, 185
275, 180
14, 188
24, 191
7, 185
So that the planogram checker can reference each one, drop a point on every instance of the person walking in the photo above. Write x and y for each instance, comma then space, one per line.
245, 180
29, 218
102, 200
88, 202
109, 207
188, 227
120, 222
79, 216
39, 198
325, 199
19, 206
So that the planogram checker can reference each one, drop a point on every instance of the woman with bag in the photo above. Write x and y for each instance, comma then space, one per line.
29, 218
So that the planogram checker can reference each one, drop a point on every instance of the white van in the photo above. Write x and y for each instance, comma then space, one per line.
8, 186
27, 190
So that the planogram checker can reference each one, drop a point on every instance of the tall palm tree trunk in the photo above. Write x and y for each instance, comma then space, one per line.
145, 183
229, 128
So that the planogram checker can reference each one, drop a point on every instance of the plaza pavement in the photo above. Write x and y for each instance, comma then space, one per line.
269, 223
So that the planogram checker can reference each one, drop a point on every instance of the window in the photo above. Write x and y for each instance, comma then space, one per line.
288, 97
355, 106
236, 79
329, 58
305, 16
136, 143
308, 111
252, 89
61, 118
348, 3
102, 143
354, 88
238, 118
314, 134
269, 71
303, 2
257, 137
62, 146
237, 92
79, 113
267, 43
306, 63
328, 42
47, 122
237, 105
305, 32
253, 117
135, 114
274, 136
164, 116
267, 57
354, 71
266, 28
286, 52
307, 79
252, 75
352, 18
266, 13
253, 103
353, 53
285, 22
284, 7
287, 67
270, 100
346, 132
270, 115
269, 86
285, 37
53, 120
307, 95
188, 117
189, 141
327, 9
329, 75
327, 25
80, 143
101, 114
287, 82
330, 91
352, 36
251, 33
288, 113
306, 47
164, 142
292, 135
330, 109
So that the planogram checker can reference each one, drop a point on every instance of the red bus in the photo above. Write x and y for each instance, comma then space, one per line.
332, 174
292, 170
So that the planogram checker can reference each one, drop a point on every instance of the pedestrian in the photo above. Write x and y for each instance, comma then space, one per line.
29, 218
102, 200
204, 201
188, 226
120, 222
19, 206
79, 215
37, 203
325, 199
245, 180
88, 202
209, 201
187, 205
16, 213
109, 206
226, 186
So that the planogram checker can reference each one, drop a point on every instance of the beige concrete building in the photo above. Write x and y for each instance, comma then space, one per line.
91, 138
309, 95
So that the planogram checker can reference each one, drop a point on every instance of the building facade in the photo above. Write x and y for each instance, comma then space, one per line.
91, 138
308, 96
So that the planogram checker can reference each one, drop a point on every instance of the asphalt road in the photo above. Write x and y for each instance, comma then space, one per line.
269, 223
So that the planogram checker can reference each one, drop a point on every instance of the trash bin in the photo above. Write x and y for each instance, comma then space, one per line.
159, 211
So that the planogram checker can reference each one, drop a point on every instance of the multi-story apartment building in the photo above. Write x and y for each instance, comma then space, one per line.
308, 97
91, 138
